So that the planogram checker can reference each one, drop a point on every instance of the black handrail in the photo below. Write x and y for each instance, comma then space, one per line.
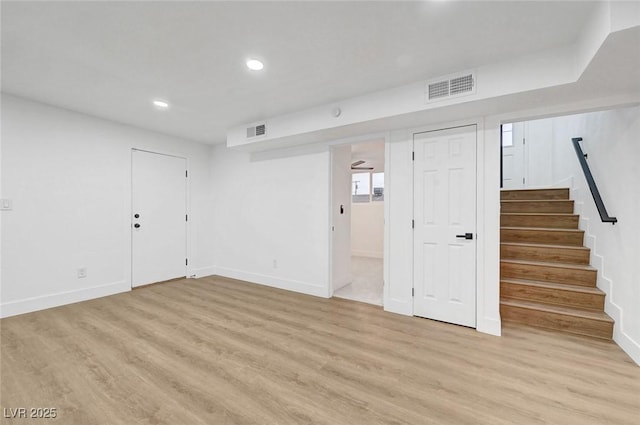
604, 216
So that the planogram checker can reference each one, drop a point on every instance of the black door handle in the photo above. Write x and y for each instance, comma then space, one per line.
136, 216
466, 236
137, 225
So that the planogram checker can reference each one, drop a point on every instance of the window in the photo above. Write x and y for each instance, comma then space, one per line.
367, 187
507, 135
378, 187
360, 187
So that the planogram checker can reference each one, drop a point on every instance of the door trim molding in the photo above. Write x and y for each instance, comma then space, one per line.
477, 188
397, 291
128, 267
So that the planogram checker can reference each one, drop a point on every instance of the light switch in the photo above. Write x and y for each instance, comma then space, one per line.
6, 204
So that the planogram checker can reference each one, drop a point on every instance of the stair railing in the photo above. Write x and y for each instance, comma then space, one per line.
582, 158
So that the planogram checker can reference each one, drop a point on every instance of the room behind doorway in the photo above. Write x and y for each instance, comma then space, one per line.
366, 224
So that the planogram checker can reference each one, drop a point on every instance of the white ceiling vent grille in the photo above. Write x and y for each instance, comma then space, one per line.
255, 131
450, 87
462, 84
439, 89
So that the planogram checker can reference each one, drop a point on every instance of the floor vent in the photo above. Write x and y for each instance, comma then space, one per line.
452, 86
258, 130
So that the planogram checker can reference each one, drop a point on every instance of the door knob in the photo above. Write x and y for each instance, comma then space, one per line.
137, 225
136, 216
466, 236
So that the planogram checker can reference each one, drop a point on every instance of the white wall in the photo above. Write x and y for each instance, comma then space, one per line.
271, 221
398, 254
367, 229
69, 176
539, 137
340, 216
611, 139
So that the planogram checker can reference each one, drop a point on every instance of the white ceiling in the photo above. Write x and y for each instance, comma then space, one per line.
372, 153
110, 59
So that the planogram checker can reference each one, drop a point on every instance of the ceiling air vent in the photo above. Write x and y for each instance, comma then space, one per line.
439, 89
258, 130
462, 84
451, 86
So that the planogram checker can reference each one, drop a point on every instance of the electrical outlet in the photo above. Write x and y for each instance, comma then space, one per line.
82, 272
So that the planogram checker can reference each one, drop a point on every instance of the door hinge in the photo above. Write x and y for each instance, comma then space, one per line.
523, 142
186, 173
413, 156
186, 217
186, 261
413, 224
523, 180
413, 292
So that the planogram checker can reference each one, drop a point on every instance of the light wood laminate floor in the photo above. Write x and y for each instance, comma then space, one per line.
216, 351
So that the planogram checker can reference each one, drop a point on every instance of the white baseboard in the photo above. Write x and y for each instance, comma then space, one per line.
489, 326
369, 254
275, 282
604, 283
29, 305
204, 271
625, 342
398, 306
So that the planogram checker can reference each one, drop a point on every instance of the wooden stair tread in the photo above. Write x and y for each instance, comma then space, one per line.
546, 279
557, 309
509, 201
542, 229
546, 264
547, 189
553, 285
538, 213
549, 193
543, 189
541, 245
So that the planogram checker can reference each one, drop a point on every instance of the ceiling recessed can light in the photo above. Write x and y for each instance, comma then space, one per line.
161, 104
254, 65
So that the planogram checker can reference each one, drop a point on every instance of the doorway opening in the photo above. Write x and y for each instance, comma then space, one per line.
527, 154
358, 221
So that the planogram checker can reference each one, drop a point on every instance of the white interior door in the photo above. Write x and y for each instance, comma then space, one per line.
340, 217
158, 217
444, 229
513, 156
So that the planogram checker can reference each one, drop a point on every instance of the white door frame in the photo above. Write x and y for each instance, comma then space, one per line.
402, 301
332, 211
129, 212
518, 150
468, 321
352, 141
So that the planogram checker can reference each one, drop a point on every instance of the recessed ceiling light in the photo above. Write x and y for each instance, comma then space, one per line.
161, 104
254, 65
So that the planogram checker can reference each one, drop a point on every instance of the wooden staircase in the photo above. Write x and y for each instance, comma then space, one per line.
545, 276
